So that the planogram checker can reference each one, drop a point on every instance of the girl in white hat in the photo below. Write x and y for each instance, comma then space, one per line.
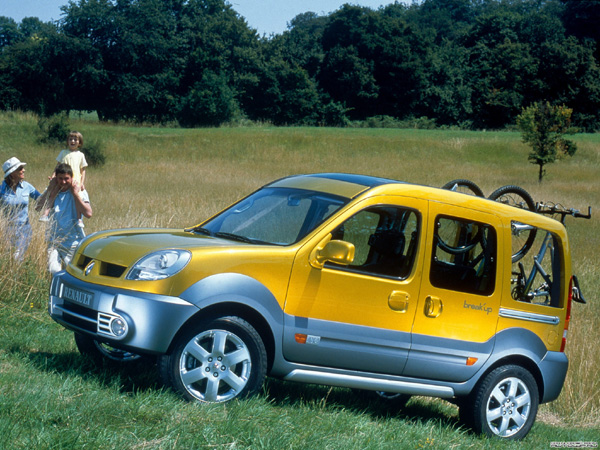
15, 193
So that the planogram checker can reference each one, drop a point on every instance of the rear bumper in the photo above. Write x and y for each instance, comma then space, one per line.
554, 370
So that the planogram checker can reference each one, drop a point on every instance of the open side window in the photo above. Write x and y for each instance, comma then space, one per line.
464, 256
385, 239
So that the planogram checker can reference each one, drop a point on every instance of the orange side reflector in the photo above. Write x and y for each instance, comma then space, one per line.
471, 360
300, 338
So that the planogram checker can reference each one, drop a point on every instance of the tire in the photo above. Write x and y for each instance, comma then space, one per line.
504, 404
398, 399
102, 353
384, 396
464, 186
216, 361
518, 197
446, 236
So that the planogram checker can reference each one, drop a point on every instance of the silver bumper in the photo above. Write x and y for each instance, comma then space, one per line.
134, 320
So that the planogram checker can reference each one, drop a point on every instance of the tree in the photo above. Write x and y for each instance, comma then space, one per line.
160, 56
543, 127
373, 62
9, 32
209, 103
48, 72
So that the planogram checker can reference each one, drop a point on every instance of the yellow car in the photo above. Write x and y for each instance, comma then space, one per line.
342, 280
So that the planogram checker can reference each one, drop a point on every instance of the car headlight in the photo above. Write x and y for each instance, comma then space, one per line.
159, 265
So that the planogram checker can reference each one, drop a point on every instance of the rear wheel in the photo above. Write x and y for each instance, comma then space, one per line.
216, 361
389, 399
464, 186
504, 404
523, 236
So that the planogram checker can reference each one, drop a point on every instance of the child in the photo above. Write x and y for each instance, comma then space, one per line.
74, 158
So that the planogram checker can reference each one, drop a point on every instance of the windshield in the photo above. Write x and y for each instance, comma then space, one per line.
278, 216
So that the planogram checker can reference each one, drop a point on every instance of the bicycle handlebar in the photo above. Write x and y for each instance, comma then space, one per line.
556, 208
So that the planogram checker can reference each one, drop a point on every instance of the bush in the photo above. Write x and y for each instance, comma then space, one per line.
419, 123
94, 153
55, 128
333, 114
210, 103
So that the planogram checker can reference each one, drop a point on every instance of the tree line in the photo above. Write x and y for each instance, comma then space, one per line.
468, 63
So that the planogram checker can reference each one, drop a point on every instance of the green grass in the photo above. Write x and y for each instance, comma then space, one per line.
52, 398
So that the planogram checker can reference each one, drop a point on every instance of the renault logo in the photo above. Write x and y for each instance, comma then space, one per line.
89, 268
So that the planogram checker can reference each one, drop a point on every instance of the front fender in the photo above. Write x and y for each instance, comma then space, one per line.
232, 288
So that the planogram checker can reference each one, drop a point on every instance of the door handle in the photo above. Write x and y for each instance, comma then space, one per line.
398, 301
433, 306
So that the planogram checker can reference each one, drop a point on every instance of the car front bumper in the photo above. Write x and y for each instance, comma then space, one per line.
137, 321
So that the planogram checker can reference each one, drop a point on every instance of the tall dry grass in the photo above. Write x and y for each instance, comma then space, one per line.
161, 177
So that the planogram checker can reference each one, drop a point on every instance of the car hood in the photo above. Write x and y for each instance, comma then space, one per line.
124, 247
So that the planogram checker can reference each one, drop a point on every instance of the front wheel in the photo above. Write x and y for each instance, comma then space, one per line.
100, 352
216, 361
504, 404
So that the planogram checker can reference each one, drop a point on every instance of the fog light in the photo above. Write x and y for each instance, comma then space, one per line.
118, 327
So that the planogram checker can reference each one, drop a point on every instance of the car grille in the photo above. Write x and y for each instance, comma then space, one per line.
79, 316
106, 269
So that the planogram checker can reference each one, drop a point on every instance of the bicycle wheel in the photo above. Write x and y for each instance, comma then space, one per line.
523, 236
464, 187
456, 237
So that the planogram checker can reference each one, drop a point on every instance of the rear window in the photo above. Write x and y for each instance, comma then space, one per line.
537, 264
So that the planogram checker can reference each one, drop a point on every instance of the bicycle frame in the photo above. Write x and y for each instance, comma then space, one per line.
524, 291
524, 283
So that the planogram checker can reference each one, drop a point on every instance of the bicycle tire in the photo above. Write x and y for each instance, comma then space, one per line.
517, 197
464, 187
452, 237
460, 249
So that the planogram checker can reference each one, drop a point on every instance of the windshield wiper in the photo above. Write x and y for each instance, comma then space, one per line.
234, 237
200, 230
223, 234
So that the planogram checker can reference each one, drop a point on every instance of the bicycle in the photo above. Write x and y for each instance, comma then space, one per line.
464, 187
522, 290
517, 197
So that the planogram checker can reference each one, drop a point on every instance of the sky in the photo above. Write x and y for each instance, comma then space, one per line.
266, 16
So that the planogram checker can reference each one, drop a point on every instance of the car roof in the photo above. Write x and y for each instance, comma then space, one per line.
352, 185
364, 180
343, 184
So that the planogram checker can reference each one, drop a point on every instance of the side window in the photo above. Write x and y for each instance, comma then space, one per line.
464, 256
385, 238
537, 264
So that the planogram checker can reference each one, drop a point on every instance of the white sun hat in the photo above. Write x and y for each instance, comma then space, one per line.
11, 165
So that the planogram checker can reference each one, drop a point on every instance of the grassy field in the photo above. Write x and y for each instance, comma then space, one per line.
52, 398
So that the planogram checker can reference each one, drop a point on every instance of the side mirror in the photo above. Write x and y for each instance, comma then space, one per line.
339, 252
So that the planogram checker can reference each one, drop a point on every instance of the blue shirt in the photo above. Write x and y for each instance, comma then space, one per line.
15, 204
66, 227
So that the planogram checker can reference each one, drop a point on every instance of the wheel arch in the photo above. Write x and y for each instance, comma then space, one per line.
516, 360
234, 294
233, 308
521, 347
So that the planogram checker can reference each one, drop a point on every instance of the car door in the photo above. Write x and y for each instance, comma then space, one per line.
359, 316
456, 318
